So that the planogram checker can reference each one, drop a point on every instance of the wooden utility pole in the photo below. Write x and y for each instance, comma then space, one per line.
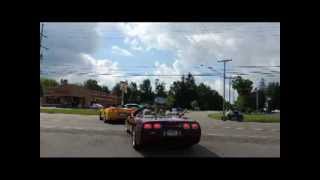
224, 61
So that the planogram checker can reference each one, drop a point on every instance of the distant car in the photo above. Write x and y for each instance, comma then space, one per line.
96, 106
133, 106
148, 128
119, 113
276, 111
234, 115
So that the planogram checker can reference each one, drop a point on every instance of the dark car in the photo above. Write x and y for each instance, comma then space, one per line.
148, 129
234, 115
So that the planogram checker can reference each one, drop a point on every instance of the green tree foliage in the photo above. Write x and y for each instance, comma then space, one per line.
194, 104
116, 89
273, 91
160, 89
243, 86
92, 84
105, 89
47, 83
170, 101
133, 94
246, 100
183, 92
41, 90
147, 96
208, 99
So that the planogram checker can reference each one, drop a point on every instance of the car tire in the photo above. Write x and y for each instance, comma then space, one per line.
126, 126
134, 141
106, 119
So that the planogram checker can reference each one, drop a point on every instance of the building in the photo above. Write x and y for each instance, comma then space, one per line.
69, 95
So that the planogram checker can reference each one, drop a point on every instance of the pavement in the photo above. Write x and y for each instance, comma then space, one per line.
64, 135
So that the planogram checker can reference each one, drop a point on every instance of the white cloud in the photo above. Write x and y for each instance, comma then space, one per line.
120, 51
191, 43
205, 43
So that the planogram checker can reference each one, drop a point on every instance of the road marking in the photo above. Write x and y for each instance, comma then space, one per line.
239, 128
227, 127
258, 129
243, 136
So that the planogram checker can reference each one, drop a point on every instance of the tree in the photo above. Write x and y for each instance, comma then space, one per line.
208, 99
243, 86
47, 83
273, 91
170, 101
133, 94
92, 84
194, 104
160, 89
116, 90
105, 89
246, 99
41, 90
262, 85
147, 95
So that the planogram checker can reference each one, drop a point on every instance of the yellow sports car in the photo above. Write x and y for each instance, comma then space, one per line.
119, 113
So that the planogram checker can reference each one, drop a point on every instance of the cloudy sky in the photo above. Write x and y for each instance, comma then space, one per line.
108, 52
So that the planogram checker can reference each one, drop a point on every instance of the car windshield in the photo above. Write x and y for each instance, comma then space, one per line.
132, 106
149, 113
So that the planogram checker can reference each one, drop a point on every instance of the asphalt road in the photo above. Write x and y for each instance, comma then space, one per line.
63, 135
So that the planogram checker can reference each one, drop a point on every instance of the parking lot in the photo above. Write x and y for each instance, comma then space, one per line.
63, 135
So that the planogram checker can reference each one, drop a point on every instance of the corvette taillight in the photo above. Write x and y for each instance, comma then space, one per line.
186, 126
147, 126
156, 126
194, 126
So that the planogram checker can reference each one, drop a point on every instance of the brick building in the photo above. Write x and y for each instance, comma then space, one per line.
69, 95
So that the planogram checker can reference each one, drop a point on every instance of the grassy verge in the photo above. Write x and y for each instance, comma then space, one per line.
70, 111
266, 118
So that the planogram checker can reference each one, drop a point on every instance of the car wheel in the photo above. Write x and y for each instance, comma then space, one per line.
105, 118
134, 141
126, 126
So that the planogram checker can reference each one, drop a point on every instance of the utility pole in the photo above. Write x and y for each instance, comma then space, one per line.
229, 89
257, 99
41, 46
123, 87
224, 83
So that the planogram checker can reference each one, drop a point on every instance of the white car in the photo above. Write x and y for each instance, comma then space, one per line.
96, 106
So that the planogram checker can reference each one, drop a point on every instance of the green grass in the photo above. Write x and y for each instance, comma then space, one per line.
70, 111
264, 118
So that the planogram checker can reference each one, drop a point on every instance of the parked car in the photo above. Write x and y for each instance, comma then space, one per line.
96, 106
148, 128
133, 106
234, 115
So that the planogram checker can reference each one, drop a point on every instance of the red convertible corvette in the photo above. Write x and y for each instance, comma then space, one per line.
148, 128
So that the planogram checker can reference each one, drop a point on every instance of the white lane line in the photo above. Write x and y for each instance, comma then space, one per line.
227, 127
240, 136
258, 129
48, 126
239, 128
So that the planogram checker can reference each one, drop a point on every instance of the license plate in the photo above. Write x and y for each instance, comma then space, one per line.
172, 133
123, 114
